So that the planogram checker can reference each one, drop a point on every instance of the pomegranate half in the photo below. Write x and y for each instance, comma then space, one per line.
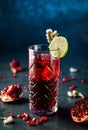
79, 112
11, 93
15, 66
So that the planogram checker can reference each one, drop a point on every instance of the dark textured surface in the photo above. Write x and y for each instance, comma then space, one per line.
23, 22
62, 119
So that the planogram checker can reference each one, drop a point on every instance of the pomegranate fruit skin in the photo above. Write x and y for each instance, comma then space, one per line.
79, 112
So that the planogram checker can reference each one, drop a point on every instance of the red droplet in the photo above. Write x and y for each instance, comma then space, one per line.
72, 87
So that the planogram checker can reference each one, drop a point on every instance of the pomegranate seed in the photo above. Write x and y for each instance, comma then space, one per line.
26, 114
30, 123
12, 115
72, 87
83, 80
20, 116
4, 90
34, 119
25, 118
44, 118
73, 77
11, 89
38, 122
65, 79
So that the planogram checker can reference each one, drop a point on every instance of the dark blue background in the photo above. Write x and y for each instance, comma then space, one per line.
24, 22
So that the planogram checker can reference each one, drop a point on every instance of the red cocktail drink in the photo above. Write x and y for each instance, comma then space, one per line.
43, 80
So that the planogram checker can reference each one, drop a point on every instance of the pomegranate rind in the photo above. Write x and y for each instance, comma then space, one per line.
11, 93
78, 120
17, 69
7, 98
79, 112
15, 66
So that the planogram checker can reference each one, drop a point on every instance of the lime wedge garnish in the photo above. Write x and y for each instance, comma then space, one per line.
58, 46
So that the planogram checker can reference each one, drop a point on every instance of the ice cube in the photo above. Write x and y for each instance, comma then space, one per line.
47, 73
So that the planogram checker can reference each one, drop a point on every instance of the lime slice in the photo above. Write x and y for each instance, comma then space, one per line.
58, 46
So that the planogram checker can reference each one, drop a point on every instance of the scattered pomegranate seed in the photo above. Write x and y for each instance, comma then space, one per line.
12, 115
83, 80
30, 123
26, 114
20, 116
72, 87
38, 122
65, 79
35, 121
25, 118
44, 118
73, 77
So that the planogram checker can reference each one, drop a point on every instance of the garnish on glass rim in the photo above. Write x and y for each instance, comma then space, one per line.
58, 44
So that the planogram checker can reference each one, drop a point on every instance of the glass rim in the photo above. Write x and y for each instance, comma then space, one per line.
37, 47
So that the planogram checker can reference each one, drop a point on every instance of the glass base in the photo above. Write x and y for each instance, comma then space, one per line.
44, 112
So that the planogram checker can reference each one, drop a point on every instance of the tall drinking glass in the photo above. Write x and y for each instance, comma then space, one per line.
43, 80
